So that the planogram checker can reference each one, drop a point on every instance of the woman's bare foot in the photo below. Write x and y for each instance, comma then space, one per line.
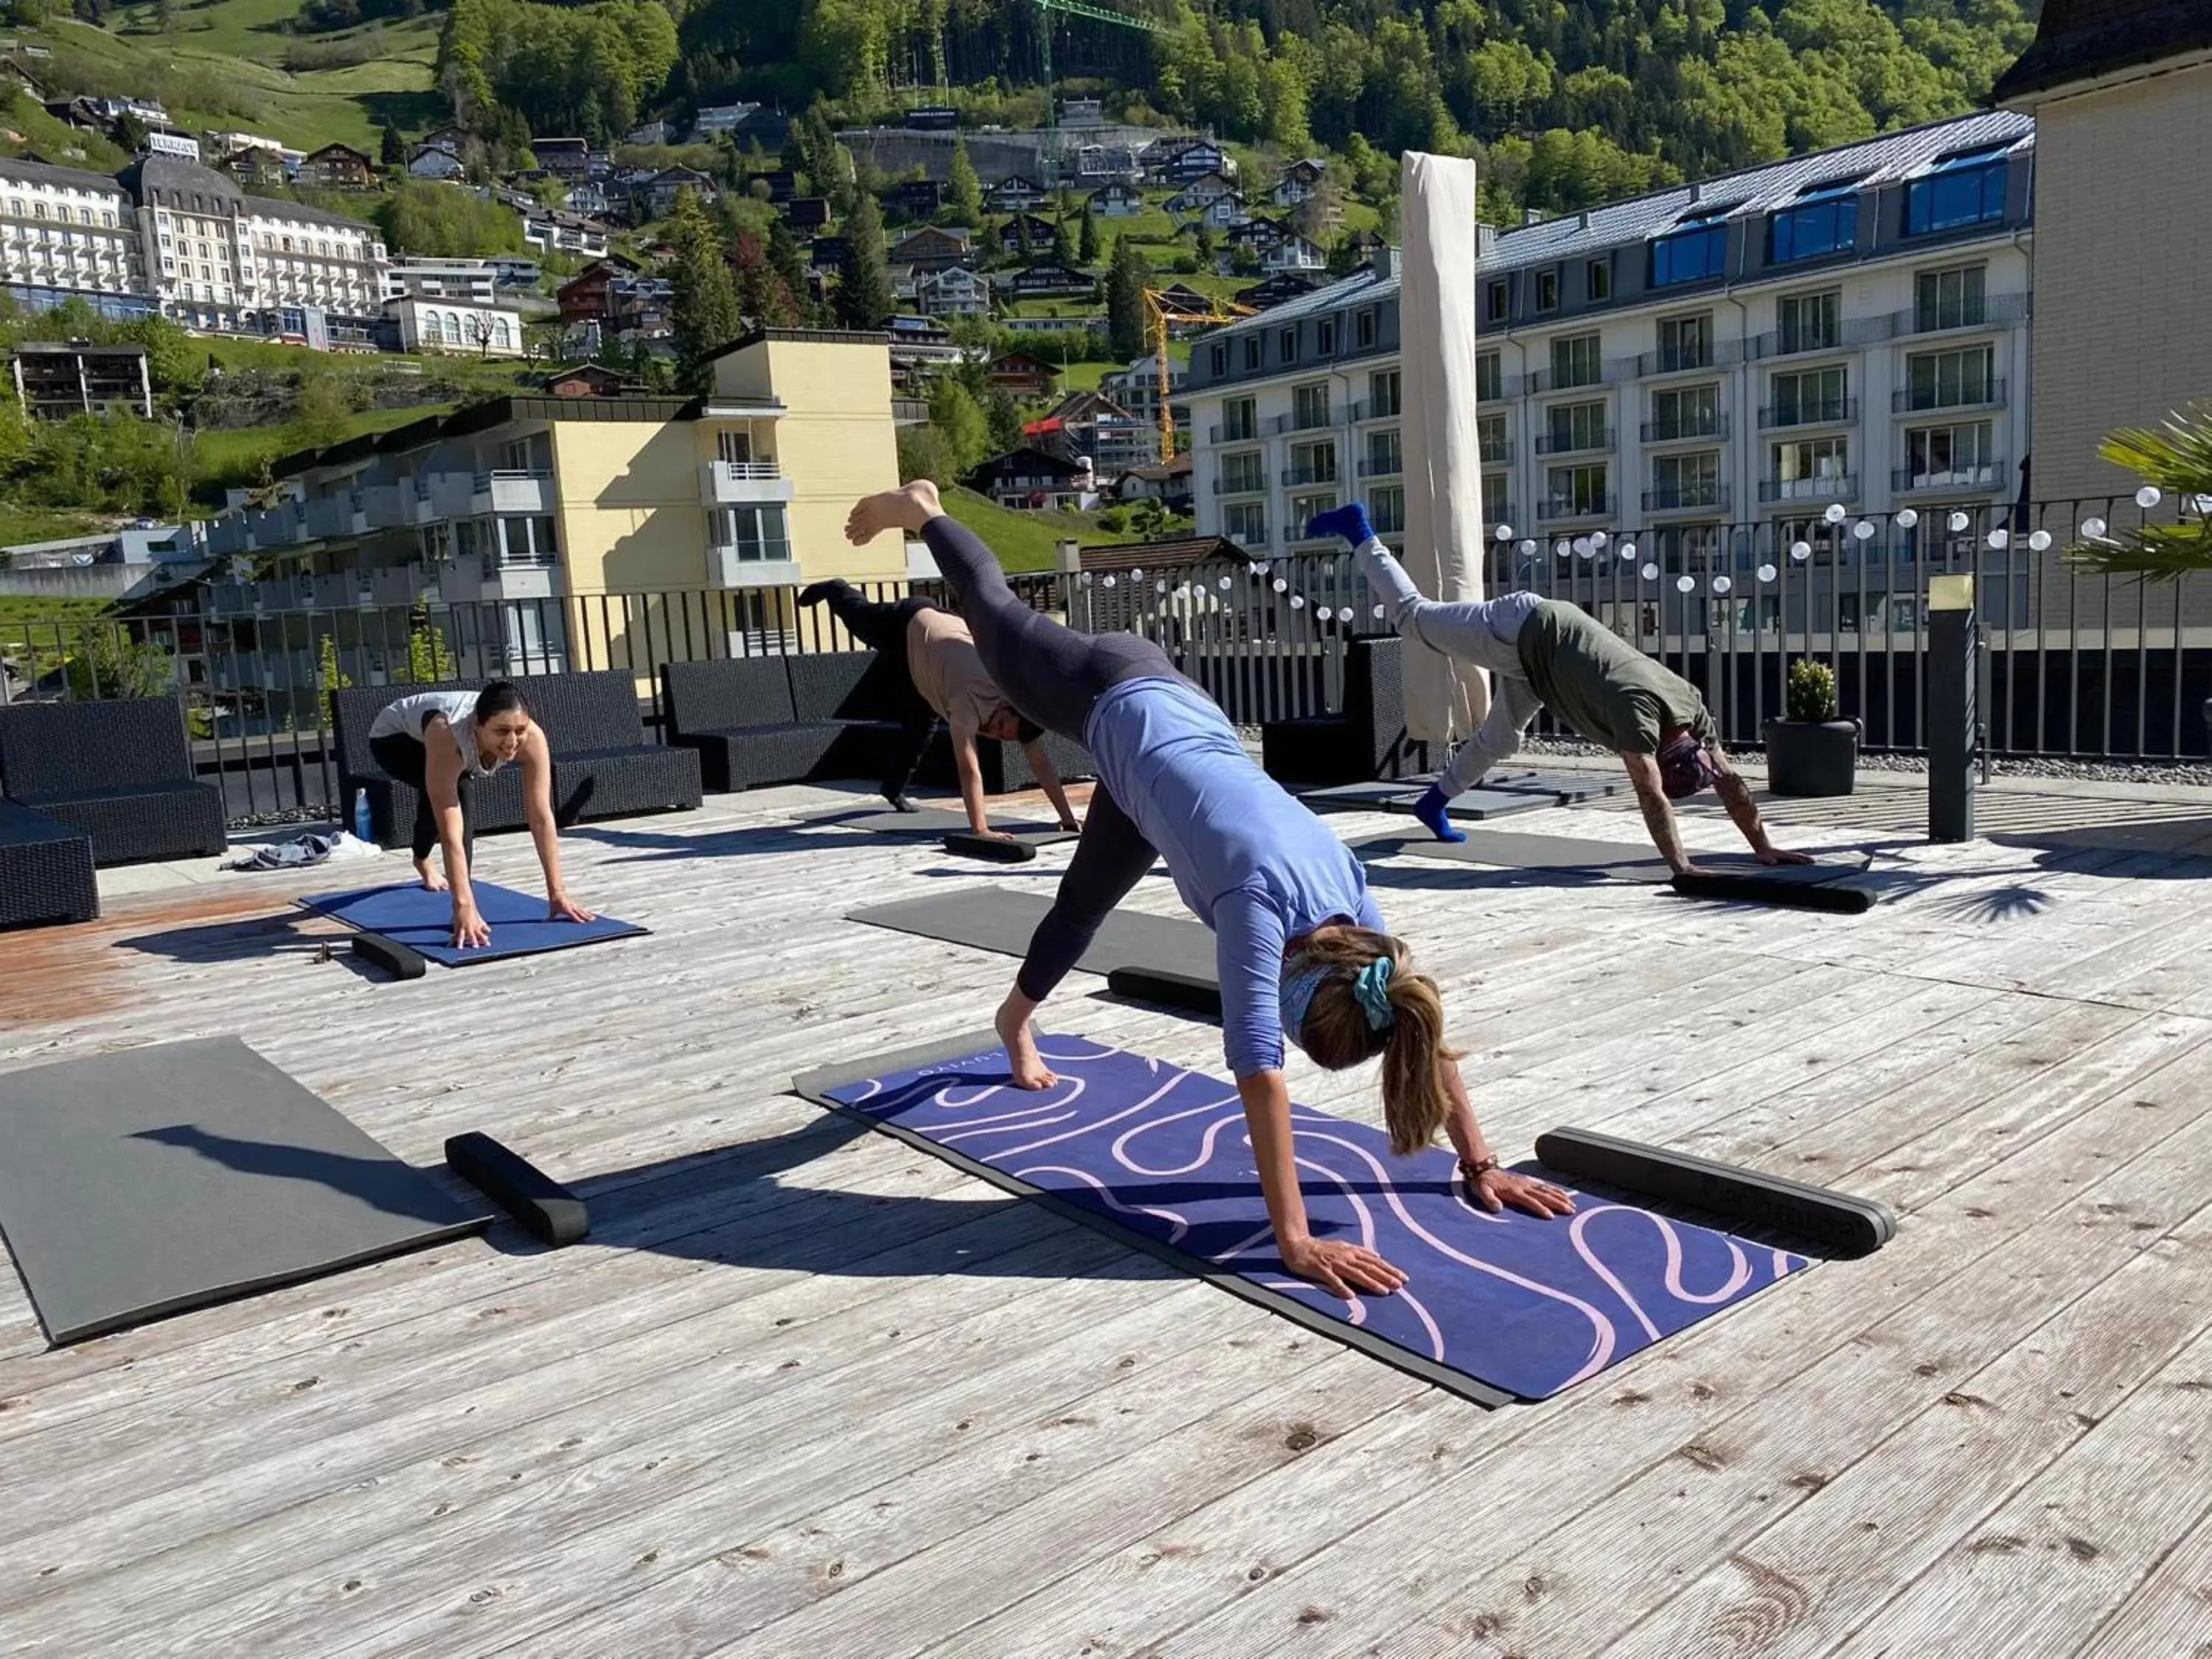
1027, 1065
434, 879
908, 507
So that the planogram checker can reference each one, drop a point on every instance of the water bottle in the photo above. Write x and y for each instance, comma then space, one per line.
361, 825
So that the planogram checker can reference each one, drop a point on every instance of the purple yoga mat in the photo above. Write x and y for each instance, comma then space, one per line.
1525, 1306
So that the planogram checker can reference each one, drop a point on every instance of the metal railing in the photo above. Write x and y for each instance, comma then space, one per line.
1297, 477
1574, 443
1810, 411
1678, 430
2076, 664
1588, 507
1913, 400
1690, 497
1828, 487
1974, 477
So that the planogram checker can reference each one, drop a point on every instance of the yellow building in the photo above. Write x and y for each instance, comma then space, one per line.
587, 531
2121, 91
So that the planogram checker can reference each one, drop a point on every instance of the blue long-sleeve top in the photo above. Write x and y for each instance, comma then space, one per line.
1252, 864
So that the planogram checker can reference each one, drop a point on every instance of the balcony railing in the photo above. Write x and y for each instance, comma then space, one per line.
1297, 477
1689, 359
1235, 433
1828, 487
1985, 311
738, 484
1849, 334
1369, 409
1811, 412
1574, 443
1912, 400
1495, 454
506, 491
1392, 468
1687, 497
1686, 429
1589, 506
1249, 483
1978, 477
1303, 420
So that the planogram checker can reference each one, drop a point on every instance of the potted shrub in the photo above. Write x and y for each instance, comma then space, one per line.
1811, 751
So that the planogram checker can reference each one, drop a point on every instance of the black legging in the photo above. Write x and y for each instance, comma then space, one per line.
1054, 676
404, 759
882, 627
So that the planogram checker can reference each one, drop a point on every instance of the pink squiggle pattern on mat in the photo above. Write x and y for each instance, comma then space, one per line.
1356, 1316
1738, 1277
1128, 1111
1205, 1149
1106, 1195
1604, 1336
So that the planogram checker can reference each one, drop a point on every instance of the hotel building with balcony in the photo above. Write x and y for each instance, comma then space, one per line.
575, 532
1850, 326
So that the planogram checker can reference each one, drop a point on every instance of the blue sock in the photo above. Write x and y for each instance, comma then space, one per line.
1349, 521
1430, 809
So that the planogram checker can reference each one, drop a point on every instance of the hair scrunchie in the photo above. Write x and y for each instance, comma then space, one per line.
1372, 987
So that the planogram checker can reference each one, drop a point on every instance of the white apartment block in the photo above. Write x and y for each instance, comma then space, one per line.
1850, 327
466, 281
65, 231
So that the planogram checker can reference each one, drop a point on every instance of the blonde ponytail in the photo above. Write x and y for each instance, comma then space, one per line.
1338, 1034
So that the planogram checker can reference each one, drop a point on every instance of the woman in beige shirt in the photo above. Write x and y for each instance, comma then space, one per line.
949, 683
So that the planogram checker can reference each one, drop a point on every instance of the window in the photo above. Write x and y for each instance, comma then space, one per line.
1386, 510
1810, 467
1601, 279
1325, 337
1686, 342
1489, 383
1818, 223
1810, 322
1217, 362
1290, 345
1691, 411
1569, 427
1253, 347
1495, 306
1547, 289
1950, 380
1691, 480
1949, 299
1238, 424
1957, 456
1496, 494
1689, 256
1382, 395
1366, 329
1575, 491
1309, 406
1813, 397
1312, 464
1490, 440
754, 535
1961, 190
1245, 523
1305, 507
1575, 362
1385, 456
1243, 473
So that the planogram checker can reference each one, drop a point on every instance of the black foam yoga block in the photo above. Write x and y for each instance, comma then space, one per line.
968, 845
1758, 889
547, 1210
395, 958
1169, 989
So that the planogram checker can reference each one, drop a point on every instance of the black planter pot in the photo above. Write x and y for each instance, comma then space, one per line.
1806, 759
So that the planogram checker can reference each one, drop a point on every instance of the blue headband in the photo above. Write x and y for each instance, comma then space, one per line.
1372, 987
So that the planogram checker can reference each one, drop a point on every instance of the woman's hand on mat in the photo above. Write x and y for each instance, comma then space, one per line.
1071, 825
1339, 1268
986, 833
1496, 1189
559, 907
469, 930
1783, 855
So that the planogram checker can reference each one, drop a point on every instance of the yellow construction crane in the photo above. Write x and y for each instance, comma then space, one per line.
1163, 309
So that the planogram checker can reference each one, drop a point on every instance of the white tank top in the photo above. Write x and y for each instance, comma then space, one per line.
406, 718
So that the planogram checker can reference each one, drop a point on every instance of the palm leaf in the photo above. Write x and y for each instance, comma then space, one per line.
2178, 459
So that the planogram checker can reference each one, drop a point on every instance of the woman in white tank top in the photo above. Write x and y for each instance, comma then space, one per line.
437, 742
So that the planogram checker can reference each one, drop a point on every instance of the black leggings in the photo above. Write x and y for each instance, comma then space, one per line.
882, 627
1054, 676
404, 759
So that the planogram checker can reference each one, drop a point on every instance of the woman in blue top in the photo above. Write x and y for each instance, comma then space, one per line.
1300, 946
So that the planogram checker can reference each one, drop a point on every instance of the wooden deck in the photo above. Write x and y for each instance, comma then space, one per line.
808, 1393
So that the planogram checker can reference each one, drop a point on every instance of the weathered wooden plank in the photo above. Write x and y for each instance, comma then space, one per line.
2167, 1611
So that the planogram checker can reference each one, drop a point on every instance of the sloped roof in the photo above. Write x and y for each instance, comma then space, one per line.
2082, 40
1738, 195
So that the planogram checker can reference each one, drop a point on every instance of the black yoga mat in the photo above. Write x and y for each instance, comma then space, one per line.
1597, 860
999, 918
147, 1182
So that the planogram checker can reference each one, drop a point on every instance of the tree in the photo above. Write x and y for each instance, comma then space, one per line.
959, 420
320, 407
788, 261
704, 311
2176, 461
762, 295
922, 454
176, 364
1128, 276
391, 149
330, 679
1088, 249
865, 296
1063, 249
107, 663
963, 192
423, 217
1004, 416
429, 658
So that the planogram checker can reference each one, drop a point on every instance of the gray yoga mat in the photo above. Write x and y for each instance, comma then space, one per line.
1598, 860
1000, 919
932, 821
162, 1178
